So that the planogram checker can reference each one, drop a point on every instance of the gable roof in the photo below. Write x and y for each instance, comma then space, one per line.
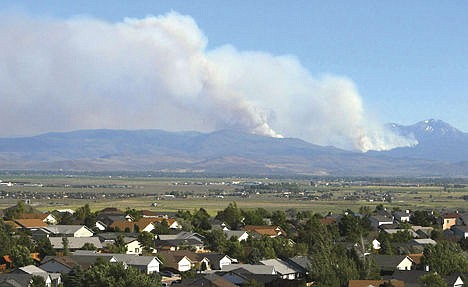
30, 223
389, 261
122, 225
15, 280
374, 283
75, 242
300, 261
281, 267
251, 268
267, 230
172, 258
66, 229
209, 280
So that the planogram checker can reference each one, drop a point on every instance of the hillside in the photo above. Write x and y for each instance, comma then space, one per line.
224, 152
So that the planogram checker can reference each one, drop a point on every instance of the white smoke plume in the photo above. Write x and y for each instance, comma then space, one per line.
157, 72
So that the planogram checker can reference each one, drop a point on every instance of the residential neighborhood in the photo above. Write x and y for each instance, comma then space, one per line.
236, 247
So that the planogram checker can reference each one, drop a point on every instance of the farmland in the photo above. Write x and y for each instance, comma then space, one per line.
49, 192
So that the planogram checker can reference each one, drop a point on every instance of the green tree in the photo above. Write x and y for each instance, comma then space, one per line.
38, 281
353, 227
231, 215
200, 220
88, 246
217, 241
85, 215
66, 246
21, 256
254, 256
105, 274
422, 218
445, 258
146, 239
432, 280
6, 238
253, 217
330, 265
161, 228
44, 247
119, 245
136, 214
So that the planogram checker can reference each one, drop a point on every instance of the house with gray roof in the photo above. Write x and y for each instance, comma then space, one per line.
283, 268
390, 263
241, 235
50, 279
75, 243
15, 279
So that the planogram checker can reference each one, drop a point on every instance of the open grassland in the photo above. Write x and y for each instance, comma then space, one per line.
214, 194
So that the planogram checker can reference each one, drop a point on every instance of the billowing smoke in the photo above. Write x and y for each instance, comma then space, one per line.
157, 72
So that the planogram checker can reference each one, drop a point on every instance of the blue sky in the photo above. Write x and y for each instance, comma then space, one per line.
408, 59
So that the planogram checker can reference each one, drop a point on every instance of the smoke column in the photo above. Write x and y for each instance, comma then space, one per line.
157, 72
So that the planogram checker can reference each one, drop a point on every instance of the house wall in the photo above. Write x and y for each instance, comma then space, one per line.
406, 264
134, 247
224, 262
148, 228
448, 222
243, 237
83, 232
152, 267
184, 265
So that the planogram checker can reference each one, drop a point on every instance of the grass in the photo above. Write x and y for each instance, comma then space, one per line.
414, 197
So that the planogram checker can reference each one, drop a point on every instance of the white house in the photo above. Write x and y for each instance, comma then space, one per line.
375, 244
393, 262
68, 230
147, 264
133, 246
283, 269
241, 235
184, 264
75, 242
378, 220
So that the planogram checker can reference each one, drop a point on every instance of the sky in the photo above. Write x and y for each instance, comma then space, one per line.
330, 72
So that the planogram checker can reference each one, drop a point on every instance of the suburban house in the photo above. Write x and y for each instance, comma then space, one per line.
133, 246
402, 216
47, 218
376, 283
449, 220
17, 280
265, 230
65, 264
180, 240
67, 231
147, 264
212, 280
51, 279
241, 235
460, 231
378, 220
390, 263
283, 268
75, 243
144, 224
216, 261
171, 222
176, 260
300, 263
30, 223
252, 268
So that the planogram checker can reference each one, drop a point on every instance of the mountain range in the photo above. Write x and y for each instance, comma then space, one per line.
441, 152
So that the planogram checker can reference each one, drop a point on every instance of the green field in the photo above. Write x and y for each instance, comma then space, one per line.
213, 195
